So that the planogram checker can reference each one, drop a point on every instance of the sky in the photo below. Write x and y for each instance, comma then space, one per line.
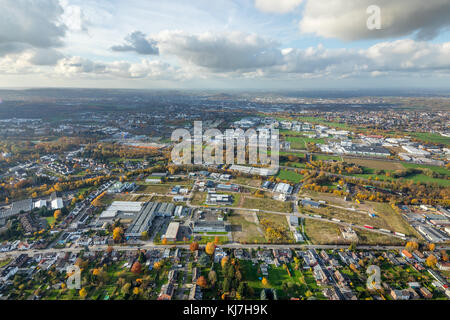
225, 44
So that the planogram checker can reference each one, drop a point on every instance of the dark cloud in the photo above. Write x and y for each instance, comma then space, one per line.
30, 24
347, 20
137, 42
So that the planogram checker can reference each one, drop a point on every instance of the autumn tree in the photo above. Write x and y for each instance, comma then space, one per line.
412, 246
57, 214
157, 265
265, 282
136, 268
431, 261
224, 261
164, 241
83, 293
210, 248
118, 234
216, 240
193, 246
202, 282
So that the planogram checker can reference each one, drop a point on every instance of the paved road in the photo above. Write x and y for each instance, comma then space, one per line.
150, 245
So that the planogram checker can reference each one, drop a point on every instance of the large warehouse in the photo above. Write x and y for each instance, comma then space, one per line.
172, 231
121, 209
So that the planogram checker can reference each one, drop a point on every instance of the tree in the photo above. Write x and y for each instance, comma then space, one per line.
224, 261
202, 282
125, 289
203, 260
83, 293
164, 241
136, 268
226, 285
157, 265
97, 203
431, 246
144, 235
57, 214
193, 246
242, 290
210, 248
212, 277
265, 282
136, 291
118, 234
431, 261
216, 240
412, 246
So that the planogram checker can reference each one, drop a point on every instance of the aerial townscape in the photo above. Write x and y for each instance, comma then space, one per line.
87, 181
190, 159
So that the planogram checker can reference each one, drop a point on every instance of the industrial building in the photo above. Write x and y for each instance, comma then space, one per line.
310, 203
172, 231
209, 226
143, 220
283, 188
121, 209
215, 199
293, 221
415, 151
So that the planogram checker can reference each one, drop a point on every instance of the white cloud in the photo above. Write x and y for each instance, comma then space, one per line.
79, 67
277, 6
73, 17
347, 20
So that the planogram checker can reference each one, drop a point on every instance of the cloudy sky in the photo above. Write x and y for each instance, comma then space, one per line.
228, 44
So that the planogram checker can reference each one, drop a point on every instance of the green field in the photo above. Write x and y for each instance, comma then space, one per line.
430, 137
440, 170
301, 142
291, 176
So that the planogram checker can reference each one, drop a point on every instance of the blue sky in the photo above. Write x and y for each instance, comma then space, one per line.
290, 44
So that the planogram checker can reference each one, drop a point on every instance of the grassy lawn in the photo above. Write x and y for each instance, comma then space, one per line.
266, 204
430, 137
50, 220
4, 262
301, 142
440, 170
290, 176
326, 157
